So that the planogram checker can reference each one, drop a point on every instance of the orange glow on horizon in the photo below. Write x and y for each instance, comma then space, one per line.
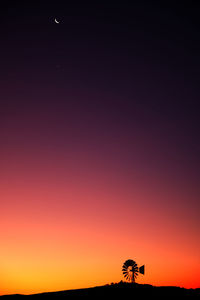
58, 247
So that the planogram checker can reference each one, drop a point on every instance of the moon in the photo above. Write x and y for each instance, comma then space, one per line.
56, 21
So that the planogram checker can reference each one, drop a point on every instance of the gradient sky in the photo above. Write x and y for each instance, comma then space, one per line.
99, 155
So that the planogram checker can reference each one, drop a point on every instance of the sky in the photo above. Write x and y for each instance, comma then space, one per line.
99, 144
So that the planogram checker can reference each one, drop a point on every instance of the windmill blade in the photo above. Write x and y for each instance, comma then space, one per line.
125, 272
142, 270
129, 262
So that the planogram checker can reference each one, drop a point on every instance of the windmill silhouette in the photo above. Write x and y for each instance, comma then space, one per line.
130, 270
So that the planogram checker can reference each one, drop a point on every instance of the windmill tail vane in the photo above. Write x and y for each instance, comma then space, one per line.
142, 269
131, 270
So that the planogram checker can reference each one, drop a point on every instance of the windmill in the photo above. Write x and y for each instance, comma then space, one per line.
130, 270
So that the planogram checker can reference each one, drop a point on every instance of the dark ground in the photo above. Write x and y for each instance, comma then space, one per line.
122, 290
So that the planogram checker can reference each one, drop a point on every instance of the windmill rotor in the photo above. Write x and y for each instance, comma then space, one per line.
130, 270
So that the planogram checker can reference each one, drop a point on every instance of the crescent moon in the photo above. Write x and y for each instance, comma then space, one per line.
57, 22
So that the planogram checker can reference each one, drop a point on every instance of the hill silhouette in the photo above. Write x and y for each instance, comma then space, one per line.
121, 289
